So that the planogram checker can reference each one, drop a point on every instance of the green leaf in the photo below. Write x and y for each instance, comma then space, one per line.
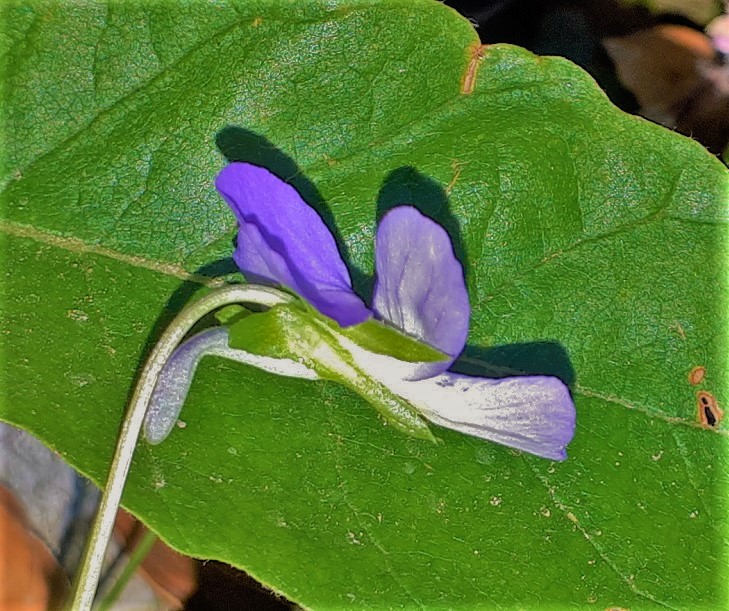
288, 331
594, 245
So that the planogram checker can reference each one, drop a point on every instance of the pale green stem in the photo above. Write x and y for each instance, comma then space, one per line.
87, 578
135, 559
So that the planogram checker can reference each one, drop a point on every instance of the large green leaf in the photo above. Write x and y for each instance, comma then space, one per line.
594, 245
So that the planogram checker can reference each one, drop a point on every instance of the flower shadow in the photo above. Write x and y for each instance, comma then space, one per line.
408, 186
548, 358
239, 144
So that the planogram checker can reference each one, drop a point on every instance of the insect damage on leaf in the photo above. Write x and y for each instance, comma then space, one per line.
708, 411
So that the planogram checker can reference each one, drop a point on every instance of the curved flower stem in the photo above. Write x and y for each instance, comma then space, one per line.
87, 577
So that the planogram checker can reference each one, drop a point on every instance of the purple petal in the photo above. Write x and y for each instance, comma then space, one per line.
530, 413
281, 239
420, 286
175, 379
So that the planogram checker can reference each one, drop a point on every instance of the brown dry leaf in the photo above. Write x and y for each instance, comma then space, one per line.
672, 72
30, 577
172, 575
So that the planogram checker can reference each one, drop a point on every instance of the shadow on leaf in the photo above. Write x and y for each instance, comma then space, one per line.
530, 358
408, 186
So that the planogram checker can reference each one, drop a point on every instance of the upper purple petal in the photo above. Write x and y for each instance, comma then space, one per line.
420, 285
282, 239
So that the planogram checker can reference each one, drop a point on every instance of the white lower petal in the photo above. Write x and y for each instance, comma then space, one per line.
176, 378
530, 413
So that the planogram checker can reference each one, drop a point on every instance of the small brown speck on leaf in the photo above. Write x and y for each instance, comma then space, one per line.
697, 375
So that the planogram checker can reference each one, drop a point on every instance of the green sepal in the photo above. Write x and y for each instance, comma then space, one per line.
292, 332
380, 338
377, 337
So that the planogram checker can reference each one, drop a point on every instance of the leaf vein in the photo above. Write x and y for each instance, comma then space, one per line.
75, 245
357, 513
653, 412
564, 509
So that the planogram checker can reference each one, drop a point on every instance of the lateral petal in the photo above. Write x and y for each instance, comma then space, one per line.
281, 239
420, 287
176, 377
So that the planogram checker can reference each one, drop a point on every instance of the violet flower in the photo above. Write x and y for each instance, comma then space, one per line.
420, 290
